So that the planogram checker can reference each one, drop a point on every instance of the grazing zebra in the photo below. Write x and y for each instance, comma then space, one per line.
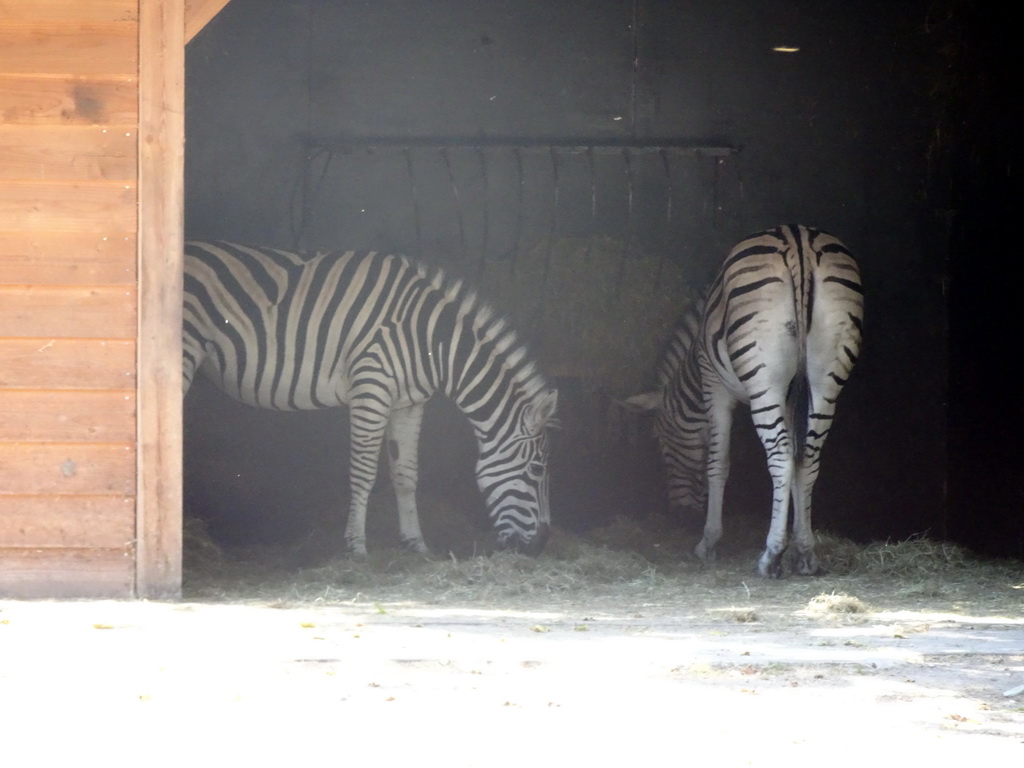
780, 330
379, 334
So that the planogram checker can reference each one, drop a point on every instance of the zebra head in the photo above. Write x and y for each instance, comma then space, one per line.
512, 471
680, 428
685, 457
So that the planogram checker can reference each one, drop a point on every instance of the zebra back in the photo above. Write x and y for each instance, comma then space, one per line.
781, 282
282, 331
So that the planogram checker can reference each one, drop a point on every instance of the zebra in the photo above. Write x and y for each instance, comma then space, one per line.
779, 329
381, 334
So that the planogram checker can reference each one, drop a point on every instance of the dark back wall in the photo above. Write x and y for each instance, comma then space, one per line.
840, 135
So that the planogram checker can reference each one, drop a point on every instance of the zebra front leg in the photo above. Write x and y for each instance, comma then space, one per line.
720, 407
367, 426
403, 436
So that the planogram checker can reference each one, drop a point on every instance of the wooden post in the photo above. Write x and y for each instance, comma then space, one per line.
161, 224
199, 13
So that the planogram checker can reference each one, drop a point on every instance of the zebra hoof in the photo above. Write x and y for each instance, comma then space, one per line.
705, 551
807, 565
770, 565
357, 550
417, 546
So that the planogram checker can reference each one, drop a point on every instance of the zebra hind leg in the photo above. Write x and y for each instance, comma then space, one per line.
403, 454
367, 427
782, 467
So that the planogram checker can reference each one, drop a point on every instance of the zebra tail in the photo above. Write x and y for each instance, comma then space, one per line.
798, 408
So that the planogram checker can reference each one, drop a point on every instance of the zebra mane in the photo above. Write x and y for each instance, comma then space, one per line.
682, 337
490, 325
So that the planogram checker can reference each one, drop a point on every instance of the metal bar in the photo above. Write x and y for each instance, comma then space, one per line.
669, 193
593, 206
458, 203
486, 217
553, 229
628, 242
415, 202
310, 194
519, 208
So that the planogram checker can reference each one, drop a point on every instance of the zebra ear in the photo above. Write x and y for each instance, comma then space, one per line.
541, 412
647, 401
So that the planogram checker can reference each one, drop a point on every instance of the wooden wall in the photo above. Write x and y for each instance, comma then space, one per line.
69, 93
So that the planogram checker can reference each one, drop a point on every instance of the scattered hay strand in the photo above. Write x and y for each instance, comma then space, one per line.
628, 562
198, 547
915, 557
837, 603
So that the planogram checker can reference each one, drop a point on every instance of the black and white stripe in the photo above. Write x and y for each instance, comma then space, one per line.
780, 330
380, 334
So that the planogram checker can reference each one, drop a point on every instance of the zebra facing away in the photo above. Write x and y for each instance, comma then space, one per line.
780, 330
380, 334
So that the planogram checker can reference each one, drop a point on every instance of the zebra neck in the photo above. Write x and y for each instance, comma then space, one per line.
490, 382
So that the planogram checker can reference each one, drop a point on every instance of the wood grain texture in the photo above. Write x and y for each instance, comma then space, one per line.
67, 207
67, 416
67, 364
69, 113
67, 468
68, 48
199, 13
161, 242
90, 522
67, 258
68, 312
31, 574
65, 100
68, 152
71, 11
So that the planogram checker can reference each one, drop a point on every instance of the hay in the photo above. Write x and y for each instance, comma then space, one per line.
199, 549
917, 557
913, 558
623, 566
570, 567
834, 603
591, 309
657, 537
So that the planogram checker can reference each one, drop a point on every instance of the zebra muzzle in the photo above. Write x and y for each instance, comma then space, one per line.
536, 543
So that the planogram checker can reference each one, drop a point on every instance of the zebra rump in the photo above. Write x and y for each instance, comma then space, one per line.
381, 334
780, 330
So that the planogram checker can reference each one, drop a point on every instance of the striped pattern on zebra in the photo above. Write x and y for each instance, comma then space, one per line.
780, 330
380, 334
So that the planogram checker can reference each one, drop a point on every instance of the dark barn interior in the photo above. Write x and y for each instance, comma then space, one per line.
581, 162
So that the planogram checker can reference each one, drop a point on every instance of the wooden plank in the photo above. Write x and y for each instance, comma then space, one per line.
68, 312
161, 242
72, 10
67, 364
67, 207
68, 258
72, 468
67, 416
100, 522
67, 152
30, 574
69, 48
34, 100
199, 13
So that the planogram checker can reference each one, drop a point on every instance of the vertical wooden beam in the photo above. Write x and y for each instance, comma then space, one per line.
199, 13
161, 224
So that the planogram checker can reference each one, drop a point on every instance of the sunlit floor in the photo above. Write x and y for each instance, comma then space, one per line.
123, 683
